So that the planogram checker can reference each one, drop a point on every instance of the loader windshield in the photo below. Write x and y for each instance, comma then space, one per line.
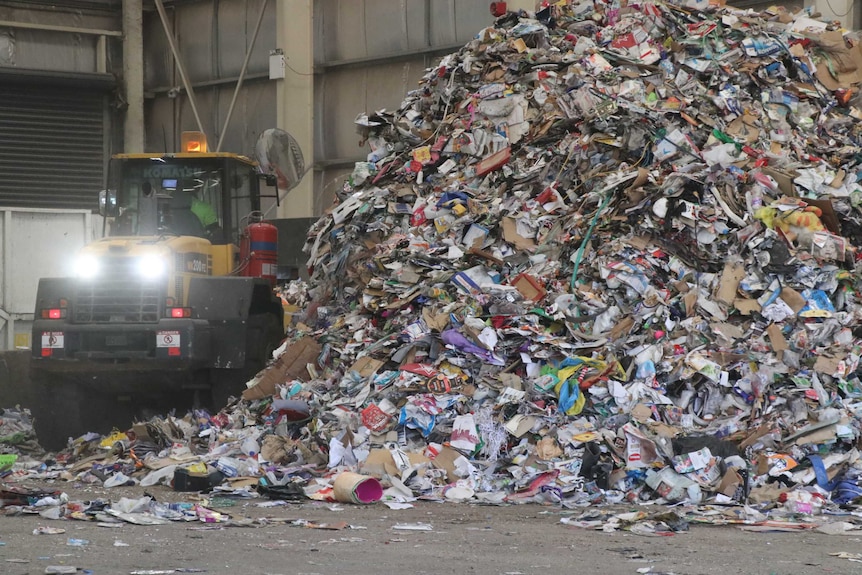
189, 195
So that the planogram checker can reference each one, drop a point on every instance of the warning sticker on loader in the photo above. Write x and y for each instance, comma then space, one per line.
168, 339
53, 340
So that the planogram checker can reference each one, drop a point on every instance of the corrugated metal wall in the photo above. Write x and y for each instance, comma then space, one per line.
368, 55
52, 146
212, 39
56, 99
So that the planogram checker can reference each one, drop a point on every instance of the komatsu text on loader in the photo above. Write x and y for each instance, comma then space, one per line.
176, 301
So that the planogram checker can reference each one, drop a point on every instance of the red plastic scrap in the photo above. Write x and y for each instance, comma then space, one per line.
494, 162
419, 369
375, 418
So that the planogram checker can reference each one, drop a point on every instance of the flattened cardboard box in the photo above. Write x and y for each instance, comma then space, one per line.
366, 366
289, 366
511, 235
731, 276
379, 463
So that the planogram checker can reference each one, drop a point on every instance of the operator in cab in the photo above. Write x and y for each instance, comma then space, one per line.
184, 211
207, 216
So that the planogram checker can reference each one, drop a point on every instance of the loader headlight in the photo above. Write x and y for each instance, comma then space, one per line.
86, 266
152, 266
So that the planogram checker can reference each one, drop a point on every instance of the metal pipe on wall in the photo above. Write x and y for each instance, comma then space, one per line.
186, 84
241, 76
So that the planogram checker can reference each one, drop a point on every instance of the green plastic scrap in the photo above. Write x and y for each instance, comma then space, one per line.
579, 255
7, 460
14, 439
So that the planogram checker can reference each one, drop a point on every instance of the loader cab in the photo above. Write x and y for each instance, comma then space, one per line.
208, 195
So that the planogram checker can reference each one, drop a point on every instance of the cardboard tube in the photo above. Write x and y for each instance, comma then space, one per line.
355, 488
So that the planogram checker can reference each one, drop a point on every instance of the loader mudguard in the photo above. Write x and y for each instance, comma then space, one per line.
231, 306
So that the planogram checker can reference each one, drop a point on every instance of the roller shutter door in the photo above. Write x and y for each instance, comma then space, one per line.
51, 146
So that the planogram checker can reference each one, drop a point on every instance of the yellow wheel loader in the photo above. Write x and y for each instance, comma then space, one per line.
174, 305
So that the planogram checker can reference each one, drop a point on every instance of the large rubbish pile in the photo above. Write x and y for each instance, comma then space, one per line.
616, 246
600, 253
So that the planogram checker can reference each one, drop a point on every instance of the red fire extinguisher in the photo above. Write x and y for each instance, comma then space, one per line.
258, 247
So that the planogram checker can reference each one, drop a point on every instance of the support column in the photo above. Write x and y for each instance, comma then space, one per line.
295, 96
133, 76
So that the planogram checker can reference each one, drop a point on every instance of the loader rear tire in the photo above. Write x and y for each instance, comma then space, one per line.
61, 416
70, 409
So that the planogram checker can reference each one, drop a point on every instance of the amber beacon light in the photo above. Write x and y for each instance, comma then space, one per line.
194, 142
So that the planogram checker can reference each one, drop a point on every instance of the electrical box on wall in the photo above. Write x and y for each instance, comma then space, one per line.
276, 64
